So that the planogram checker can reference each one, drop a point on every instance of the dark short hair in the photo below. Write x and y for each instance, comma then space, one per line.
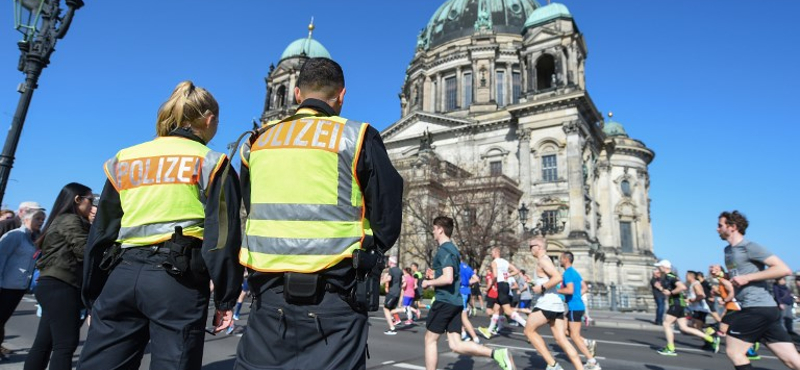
414, 264
737, 219
522, 271
570, 257
321, 75
700, 274
445, 223
693, 273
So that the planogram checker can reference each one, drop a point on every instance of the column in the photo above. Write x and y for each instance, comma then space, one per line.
459, 88
492, 75
525, 163
577, 214
439, 93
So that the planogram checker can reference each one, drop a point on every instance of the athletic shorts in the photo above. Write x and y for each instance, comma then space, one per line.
549, 315
407, 301
476, 290
755, 324
525, 303
728, 318
444, 317
700, 316
575, 316
391, 301
490, 302
245, 286
677, 311
465, 301
503, 296
712, 305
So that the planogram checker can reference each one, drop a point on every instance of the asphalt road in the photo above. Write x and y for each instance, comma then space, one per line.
618, 349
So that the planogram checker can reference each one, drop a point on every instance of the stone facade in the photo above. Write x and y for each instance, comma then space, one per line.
493, 102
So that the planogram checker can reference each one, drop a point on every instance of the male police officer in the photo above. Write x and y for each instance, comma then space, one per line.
321, 193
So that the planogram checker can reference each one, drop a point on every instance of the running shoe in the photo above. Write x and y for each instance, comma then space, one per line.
390, 332
229, 330
555, 366
752, 354
236, 316
591, 345
396, 322
5, 351
407, 322
592, 365
709, 331
715, 344
485, 332
503, 359
667, 352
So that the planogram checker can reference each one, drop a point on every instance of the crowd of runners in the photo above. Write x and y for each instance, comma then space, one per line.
749, 312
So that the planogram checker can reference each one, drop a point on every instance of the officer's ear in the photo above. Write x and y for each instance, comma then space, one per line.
297, 96
340, 101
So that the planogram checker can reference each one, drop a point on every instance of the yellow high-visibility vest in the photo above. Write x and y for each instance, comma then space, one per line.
162, 184
306, 205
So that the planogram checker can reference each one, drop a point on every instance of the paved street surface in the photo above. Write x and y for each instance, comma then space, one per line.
625, 341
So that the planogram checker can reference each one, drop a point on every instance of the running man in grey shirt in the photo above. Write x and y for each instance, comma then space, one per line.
751, 266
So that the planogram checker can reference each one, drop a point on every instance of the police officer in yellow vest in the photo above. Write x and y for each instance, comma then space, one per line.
167, 223
321, 194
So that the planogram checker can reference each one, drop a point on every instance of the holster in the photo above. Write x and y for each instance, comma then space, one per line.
368, 265
184, 257
111, 257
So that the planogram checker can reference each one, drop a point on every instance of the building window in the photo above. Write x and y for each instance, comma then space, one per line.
501, 87
516, 81
280, 98
626, 236
450, 94
469, 217
467, 90
550, 220
549, 168
545, 72
496, 168
625, 185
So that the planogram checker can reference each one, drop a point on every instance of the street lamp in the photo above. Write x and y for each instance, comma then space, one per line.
523, 217
40, 23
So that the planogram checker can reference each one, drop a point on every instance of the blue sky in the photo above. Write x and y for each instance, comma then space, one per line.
710, 86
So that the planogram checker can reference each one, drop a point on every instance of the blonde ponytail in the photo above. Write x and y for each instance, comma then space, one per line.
186, 107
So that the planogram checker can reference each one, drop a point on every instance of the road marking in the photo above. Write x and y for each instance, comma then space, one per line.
409, 366
388, 362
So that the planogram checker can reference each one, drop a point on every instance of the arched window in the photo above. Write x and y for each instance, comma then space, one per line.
545, 71
280, 97
625, 185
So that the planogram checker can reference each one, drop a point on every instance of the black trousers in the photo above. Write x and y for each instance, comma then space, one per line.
330, 335
9, 300
139, 303
59, 327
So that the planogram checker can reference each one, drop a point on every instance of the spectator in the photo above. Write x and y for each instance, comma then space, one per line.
58, 290
15, 222
6, 214
16, 265
658, 296
785, 302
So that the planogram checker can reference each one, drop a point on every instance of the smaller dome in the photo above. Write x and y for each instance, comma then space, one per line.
614, 128
546, 14
306, 47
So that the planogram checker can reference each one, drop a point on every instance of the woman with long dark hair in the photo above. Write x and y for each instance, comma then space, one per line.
62, 244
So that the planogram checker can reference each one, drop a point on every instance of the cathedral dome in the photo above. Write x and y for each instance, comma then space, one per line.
305, 47
460, 18
546, 14
613, 128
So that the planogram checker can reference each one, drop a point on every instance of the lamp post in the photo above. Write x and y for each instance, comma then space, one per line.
41, 25
543, 228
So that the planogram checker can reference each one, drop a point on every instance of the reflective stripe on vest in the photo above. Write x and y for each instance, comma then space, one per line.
306, 211
162, 184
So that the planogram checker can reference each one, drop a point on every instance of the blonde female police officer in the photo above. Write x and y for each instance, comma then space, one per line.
173, 207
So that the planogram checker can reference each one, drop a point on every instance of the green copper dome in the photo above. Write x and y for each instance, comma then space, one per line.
461, 18
546, 14
614, 128
306, 47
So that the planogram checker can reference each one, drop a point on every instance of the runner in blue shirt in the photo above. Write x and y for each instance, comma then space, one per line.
572, 288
